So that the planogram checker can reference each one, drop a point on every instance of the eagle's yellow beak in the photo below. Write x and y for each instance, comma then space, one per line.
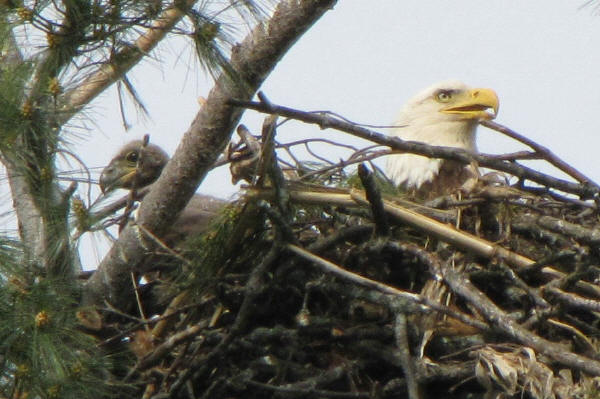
473, 104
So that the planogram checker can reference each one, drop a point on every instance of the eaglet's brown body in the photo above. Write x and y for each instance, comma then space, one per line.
136, 166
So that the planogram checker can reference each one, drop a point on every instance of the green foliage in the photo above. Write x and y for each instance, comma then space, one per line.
42, 350
386, 187
14, 112
211, 40
27, 116
209, 253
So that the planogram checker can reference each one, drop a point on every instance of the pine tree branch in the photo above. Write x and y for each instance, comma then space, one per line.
251, 61
73, 100
29, 216
44, 238
30, 220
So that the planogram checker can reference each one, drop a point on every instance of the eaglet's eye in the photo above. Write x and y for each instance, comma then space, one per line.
132, 156
443, 96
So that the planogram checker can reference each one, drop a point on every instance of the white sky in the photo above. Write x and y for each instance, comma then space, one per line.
364, 59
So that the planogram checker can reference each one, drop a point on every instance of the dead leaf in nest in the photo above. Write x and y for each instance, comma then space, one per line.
520, 371
142, 343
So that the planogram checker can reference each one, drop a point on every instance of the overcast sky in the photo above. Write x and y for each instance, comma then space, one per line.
364, 59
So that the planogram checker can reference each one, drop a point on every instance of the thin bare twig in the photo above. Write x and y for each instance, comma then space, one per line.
542, 151
327, 121
401, 332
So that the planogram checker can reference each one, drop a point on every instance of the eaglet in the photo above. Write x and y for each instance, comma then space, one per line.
445, 114
136, 166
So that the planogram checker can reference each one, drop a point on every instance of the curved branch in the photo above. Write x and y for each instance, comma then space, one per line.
325, 120
542, 151
252, 61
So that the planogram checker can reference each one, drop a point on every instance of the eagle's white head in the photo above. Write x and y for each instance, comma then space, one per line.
445, 114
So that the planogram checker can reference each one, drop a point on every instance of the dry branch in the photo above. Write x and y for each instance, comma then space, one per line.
503, 322
541, 152
324, 121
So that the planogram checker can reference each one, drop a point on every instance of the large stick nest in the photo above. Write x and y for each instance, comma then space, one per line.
338, 289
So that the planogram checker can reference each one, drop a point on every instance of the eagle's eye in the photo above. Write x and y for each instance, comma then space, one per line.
443, 96
132, 156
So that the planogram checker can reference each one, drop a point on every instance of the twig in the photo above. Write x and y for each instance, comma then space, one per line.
307, 388
515, 156
118, 204
540, 264
326, 121
161, 244
574, 230
136, 290
140, 323
167, 320
544, 152
516, 279
346, 234
573, 300
166, 348
374, 198
346, 162
110, 308
405, 357
582, 339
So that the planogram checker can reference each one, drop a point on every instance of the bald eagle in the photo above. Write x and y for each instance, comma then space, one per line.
445, 114
138, 165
